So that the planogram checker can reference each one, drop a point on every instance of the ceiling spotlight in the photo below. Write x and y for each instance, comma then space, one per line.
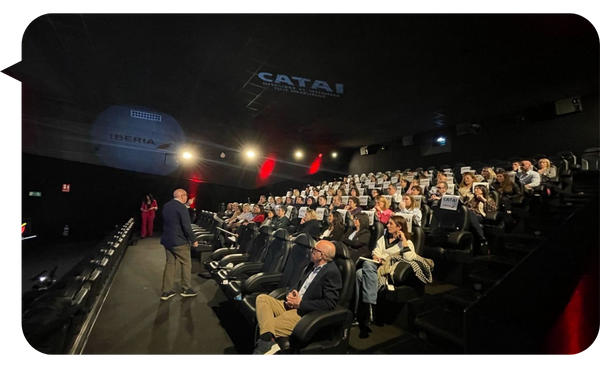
320, 155
222, 155
334, 154
187, 155
250, 154
298, 154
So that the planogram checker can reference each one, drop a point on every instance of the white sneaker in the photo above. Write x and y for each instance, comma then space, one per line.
274, 349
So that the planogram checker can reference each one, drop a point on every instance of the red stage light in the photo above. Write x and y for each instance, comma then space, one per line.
267, 167
314, 167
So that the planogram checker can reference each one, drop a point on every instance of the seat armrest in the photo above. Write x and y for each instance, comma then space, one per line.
312, 322
279, 294
245, 268
402, 273
222, 252
261, 282
460, 239
493, 216
235, 258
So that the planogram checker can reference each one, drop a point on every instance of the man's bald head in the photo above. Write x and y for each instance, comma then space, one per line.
180, 195
327, 248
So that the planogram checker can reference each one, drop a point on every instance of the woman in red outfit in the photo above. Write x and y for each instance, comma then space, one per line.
148, 209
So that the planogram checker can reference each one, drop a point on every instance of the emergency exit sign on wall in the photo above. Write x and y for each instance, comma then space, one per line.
66, 188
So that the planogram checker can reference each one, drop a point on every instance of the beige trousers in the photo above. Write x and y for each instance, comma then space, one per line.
274, 318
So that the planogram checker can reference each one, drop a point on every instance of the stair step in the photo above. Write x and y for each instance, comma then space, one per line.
442, 327
410, 345
461, 299
486, 277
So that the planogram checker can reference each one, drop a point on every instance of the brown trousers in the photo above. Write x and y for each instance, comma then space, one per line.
181, 254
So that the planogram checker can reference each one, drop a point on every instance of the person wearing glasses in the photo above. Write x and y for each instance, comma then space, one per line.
317, 290
176, 238
441, 189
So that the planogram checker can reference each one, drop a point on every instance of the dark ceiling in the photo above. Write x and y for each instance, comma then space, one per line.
401, 74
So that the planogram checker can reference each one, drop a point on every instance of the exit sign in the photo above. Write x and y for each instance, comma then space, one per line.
66, 188
35, 194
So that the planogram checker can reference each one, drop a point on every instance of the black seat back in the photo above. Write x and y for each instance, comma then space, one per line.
247, 237
347, 269
449, 220
277, 252
257, 251
418, 239
297, 260
376, 232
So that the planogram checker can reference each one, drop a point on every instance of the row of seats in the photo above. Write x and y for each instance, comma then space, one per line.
54, 316
267, 261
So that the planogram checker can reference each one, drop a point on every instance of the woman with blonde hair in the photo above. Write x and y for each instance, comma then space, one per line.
382, 209
309, 224
546, 171
464, 189
408, 205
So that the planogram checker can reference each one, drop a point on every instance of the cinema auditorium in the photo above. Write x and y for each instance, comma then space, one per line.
401, 184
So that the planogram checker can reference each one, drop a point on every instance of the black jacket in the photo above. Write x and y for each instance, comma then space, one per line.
281, 223
324, 290
359, 246
311, 227
177, 227
336, 234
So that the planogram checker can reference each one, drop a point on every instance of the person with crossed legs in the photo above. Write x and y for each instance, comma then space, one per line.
318, 289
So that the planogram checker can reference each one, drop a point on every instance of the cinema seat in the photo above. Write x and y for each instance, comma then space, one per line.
277, 283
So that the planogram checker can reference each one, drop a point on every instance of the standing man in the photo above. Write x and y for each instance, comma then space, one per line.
318, 289
176, 238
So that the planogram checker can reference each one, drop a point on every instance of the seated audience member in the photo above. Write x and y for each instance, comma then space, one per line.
382, 209
322, 200
331, 192
228, 211
396, 196
262, 200
289, 201
416, 190
504, 186
479, 205
270, 215
236, 213
278, 202
315, 193
441, 189
295, 193
413, 183
318, 289
372, 179
488, 175
354, 192
335, 230
340, 192
281, 221
371, 200
547, 172
309, 224
528, 177
353, 207
464, 188
395, 243
516, 166
234, 222
270, 203
408, 205
259, 215
441, 177
311, 203
299, 202
336, 204
357, 238
403, 186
